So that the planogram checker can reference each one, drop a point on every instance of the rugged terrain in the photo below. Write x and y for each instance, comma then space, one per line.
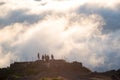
54, 70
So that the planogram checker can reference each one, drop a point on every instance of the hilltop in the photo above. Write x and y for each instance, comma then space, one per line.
54, 70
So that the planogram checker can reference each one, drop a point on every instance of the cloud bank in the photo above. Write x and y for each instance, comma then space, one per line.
86, 31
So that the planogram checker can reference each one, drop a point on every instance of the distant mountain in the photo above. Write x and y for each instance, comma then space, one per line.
54, 70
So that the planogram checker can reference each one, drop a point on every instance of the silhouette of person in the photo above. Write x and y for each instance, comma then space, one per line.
43, 57
38, 56
52, 57
47, 58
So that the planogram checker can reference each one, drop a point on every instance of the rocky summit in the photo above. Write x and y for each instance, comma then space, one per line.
54, 70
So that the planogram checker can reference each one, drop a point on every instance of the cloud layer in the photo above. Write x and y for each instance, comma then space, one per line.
86, 31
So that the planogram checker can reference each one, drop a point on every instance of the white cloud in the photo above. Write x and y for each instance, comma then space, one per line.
61, 32
6, 58
9, 33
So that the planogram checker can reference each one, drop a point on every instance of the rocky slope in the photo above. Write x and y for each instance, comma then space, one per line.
54, 70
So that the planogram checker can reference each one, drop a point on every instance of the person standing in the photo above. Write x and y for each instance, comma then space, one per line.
38, 56
52, 57
43, 57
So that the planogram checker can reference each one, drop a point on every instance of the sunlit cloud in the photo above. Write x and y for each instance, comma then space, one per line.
62, 28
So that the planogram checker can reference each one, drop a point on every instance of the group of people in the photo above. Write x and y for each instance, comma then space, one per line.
45, 57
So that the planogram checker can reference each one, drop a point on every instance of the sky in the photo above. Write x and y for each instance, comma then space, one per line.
75, 30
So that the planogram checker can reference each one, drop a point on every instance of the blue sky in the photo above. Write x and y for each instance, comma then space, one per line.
86, 31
